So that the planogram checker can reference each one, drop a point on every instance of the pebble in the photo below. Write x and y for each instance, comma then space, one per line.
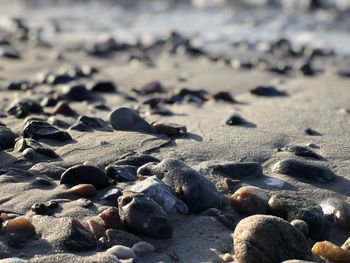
94, 123
312, 132
42, 130
25, 107
97, 229
302, 226
267, 91
19, 85
119, 237
7, 138
121, 252
152, 222
56, 79
20, 226
302, 151
195, 190
291, 208
150, 88
266, 239
104, 86
126, 119
8, 51
63, 108
235, 119
337, 211
331, 252
48, 101
161, 193
250, 200
121, 173
79, 238
304, 170
143, 248
111, 218
83, 190
39, 208
169, 128
307, 69
112, 195
85, 174
236, 170
75, 92
137, 159
224, 96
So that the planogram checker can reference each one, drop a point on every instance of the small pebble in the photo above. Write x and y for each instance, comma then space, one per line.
83, 190
19, 225
143, 248
97, 229
169, 128
330, 251
111, 218
121, 252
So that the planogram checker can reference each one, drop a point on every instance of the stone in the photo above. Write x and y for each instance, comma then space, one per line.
291, 208
83, 190
195, 190
121, 173
140, 214
265, 239
56, 79
111, 218
267, 91
96, 228
312, 132
337, 211
126, 119
150, 88
136, 159
39, 208
19, 85
121, 252
250, 200
63, 108
236, 119
85, 174
346, 244
42, 130
119, 237
236, 170
143, 248
25, 107
7, 138
169, 128
224, 96
94, 123
112, 195
8, 51
227, 219
20, 226
75, 92
303, 170
302, 226
161, 193
331, 252
105, 86
47, 169
302, 151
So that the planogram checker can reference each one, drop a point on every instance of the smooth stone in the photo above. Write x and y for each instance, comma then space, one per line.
150, 88
104, 86
291, 208
75, 92
143, 248
119, 237
136, 160
25, 107
268, 91
312, 132
85, 174
195, 190
121, 252
224, 96
298, 261
13, 260
159, 192
95, 227
42, 130
266, 239
19, 225
94, 123
126, 119
83, 190
47, 169
302, 226
236, 170
7, 138
63, 108
8, 51
236, 119
39, 208
48, 101
111, 218
337, 211
169, 128
331, 252
304, 170
250, 200
56, 79
302, 151
141, 215
18, 85
112, 195
121, 173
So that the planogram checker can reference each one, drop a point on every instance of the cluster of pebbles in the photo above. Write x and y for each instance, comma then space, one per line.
136, 199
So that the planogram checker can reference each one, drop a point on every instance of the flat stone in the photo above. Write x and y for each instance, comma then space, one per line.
121, 252
7, 138
119, 237
121, 173
236, 170
302, 151
42, 130
136, 160
104, 86
25, 107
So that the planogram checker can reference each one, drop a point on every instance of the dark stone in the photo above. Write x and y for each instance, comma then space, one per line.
236, 170
235, 119
75, 92
42, 130
337, 211
140, 214
224, 96
85, 174
64, 108
136, 159
57, 79
79, 126
80, 239
119, 237
150, 88
197, 192
126, 119
121, 173
94, 123
304, 170
302, 151
19, 85
25, 107
307, 69
48, 101
267, 91
104, 86
7, 138
312, 132
266, 239
112, 195
39, 208
293, 207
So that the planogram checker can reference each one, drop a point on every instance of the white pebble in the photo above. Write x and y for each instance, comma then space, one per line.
143, 248
121, 252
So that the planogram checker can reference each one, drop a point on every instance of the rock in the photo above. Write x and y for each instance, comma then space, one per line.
265, 239
302, 226
39, 208
169, 128
80, 239
307, 69
104, 86
250, 200
56, 79
63, 108
302, 151
85, 174
235, 119
236, 170
25, 107
96, 228
94, 123
136, 160
112, 195
143, 248
48, 101
159, 192
83, 190
298, 261
75, 92
7, 138
197, 192
331, 252
150, 88
8, 51
346, 244
304, 170
121, 252
142, 215
224, 96
267, 91
111, 218
23, 144
42, 130
47, 169
119, 237
13, 260
312, 132
293, 207
126, 119
121, 173
19, 85
20, 226
337, 211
